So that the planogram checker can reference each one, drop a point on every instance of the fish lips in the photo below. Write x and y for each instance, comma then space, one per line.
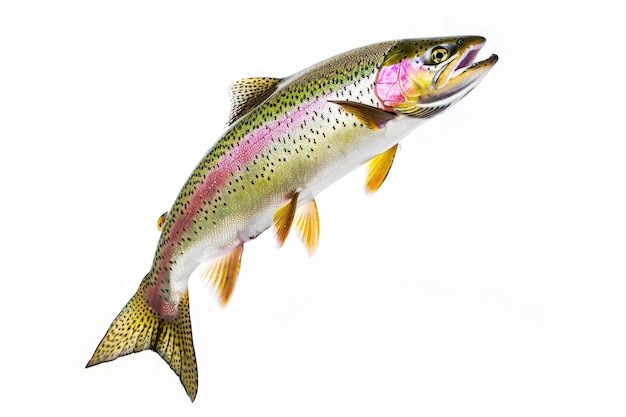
461, 73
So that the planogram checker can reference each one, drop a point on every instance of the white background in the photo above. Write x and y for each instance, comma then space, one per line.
482, 279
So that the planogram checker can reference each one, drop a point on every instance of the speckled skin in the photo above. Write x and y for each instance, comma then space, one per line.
288, 137
306, 139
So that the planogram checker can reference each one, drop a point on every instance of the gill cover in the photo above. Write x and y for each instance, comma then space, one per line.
422, 77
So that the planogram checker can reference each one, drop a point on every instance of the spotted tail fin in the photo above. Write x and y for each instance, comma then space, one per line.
138, 328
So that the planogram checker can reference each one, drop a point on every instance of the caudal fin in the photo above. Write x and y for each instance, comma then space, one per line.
138, 328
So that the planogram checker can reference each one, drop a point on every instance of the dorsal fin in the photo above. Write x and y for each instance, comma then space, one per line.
248, 93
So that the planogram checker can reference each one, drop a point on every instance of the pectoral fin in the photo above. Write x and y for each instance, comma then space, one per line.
283, 219
221, 274
378, 168
372, 117
308, 224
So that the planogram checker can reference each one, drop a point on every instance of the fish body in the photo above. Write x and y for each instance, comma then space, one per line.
286, 141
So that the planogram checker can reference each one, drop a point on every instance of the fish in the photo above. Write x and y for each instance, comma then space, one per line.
287, 139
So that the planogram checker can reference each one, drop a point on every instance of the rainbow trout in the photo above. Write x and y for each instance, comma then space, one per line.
287, 140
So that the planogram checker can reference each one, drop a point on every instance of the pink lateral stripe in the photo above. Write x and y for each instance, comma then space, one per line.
241, 155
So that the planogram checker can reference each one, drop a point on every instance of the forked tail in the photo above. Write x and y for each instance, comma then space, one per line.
138, 328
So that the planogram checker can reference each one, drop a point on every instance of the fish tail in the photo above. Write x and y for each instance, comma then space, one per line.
138, 327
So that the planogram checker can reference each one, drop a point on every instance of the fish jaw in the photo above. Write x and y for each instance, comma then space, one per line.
418, 75
462, 73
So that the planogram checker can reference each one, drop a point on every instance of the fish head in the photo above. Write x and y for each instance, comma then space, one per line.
420, 77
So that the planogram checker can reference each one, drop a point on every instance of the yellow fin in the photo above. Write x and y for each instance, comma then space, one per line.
372, 117
308, 224
161, 221
283, 218
378, 168
222, 273
138, 327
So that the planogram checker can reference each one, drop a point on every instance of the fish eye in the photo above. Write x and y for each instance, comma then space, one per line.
439, 54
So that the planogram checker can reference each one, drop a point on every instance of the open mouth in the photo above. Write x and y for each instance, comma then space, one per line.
464, 66
467, 60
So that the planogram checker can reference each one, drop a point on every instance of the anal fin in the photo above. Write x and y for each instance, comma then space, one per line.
221, 274
308, 225
283, 219
378, 168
